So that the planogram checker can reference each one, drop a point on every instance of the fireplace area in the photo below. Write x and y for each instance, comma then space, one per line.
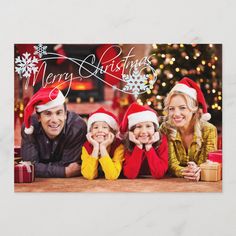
85, 88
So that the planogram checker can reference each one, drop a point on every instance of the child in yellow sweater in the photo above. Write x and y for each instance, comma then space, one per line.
102, 150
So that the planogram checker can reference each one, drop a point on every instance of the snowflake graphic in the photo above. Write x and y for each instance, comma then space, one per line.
40, 50
26, 64
135, 82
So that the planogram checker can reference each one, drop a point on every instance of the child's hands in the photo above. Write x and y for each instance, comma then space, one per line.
134, 140
108, 141
91, 140
154, 138
192, 171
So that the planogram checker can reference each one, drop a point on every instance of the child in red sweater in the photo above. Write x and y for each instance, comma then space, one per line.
146, 150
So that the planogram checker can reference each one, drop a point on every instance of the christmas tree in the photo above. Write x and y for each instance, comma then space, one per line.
199, 62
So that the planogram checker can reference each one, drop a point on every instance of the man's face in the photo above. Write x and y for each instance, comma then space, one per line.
53, 121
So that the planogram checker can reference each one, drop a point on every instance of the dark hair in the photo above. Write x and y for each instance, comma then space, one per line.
130, 145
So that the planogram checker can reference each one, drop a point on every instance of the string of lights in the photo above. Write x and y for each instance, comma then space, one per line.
200, 62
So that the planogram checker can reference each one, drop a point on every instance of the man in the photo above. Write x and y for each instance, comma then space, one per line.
52, 139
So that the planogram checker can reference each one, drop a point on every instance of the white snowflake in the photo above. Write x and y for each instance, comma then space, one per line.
135, 82
40, 50
26, 64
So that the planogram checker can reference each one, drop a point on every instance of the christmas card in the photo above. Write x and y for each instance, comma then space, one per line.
151, 98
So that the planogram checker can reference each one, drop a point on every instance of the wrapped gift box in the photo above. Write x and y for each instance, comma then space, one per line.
17, 160
215, 156
211, 171
24, 172
17, 150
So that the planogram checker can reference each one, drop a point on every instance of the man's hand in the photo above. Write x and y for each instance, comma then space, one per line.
72, 170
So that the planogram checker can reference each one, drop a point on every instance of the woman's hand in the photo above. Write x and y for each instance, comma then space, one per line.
134, 140
154, 138
108, 141
192, 171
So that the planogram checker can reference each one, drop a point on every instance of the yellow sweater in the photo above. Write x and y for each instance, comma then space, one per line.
178, 157
111, 166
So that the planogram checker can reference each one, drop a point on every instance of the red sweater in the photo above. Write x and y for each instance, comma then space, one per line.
140, 161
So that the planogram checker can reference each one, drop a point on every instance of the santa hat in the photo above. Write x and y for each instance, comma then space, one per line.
137, 114
60, 50
44, 99
103, 115
191, 88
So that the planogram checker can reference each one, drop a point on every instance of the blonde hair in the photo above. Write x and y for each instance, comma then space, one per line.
193, 106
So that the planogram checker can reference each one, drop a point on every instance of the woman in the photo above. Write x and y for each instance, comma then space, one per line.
146, 150
190, 136
102, 150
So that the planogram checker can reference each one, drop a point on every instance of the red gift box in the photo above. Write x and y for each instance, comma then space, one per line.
24, 172
215, 156
17, 150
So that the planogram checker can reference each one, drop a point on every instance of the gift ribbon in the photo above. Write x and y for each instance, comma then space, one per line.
28, 165
210, 162
208, 175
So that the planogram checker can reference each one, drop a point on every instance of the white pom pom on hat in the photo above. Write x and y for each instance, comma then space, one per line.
29, 130
192, 89
206, 116
44, 99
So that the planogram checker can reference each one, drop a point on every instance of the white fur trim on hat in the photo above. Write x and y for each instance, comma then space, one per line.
185, 89
59, 100
102, 117
29, 130
142, 116
206, 116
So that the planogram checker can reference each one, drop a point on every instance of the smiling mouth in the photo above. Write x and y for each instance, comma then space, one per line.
178, 119
100, 134
54, 126
143, 139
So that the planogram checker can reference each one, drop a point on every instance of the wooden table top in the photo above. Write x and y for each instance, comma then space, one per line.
79, 184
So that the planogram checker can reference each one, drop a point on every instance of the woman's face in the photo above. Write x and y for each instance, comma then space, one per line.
179, 113
143, 131
100, 131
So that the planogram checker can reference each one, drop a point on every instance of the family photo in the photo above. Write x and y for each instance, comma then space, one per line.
118, 117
